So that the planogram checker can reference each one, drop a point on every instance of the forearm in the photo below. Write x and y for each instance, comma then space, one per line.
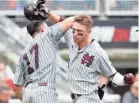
53, 18
46, 12
19, 91
118, 79
67, 23
121, 80
19, 95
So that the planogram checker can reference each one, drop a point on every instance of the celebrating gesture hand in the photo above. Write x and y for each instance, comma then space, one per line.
129, 78
42, 9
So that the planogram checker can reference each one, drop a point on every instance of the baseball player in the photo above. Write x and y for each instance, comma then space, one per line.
87, 61
35, 74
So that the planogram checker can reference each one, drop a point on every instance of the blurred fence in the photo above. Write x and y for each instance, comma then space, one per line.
72, 7
61, 7
121, 7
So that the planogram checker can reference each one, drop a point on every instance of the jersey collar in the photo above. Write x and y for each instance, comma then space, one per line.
91, 43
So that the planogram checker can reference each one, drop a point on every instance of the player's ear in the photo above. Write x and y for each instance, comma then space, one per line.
89, 31
41, 29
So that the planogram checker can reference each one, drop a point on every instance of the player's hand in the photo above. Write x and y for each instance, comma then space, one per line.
39, 3
129, 78
42, 9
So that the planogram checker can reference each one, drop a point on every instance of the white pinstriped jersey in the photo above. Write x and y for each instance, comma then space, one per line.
85, 66
38, 61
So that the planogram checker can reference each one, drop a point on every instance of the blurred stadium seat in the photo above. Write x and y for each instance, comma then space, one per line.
103, 34
112, 34
121, 35
67, 7
72, 7
121, 7
134, 36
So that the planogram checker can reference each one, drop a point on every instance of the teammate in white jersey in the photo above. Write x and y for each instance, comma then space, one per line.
35, 74
87, 61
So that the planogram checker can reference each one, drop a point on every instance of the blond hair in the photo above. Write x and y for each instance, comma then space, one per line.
84, 20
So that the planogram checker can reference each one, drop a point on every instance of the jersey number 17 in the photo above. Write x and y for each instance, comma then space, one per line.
25, 57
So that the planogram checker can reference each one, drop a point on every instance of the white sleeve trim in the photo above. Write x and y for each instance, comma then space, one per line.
118, 79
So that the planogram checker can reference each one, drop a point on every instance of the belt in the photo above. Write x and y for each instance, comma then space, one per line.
39, 84
73, 96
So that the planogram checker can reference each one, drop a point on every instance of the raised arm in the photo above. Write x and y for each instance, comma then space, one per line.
53, 18
42, 8
65, 23
40, 12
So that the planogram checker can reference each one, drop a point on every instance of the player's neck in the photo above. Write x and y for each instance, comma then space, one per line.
36, 35
84, 43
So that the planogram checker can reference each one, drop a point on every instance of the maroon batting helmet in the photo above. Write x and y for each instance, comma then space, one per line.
31, 13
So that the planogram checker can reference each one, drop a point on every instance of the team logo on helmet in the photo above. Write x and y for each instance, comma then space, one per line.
30, 8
